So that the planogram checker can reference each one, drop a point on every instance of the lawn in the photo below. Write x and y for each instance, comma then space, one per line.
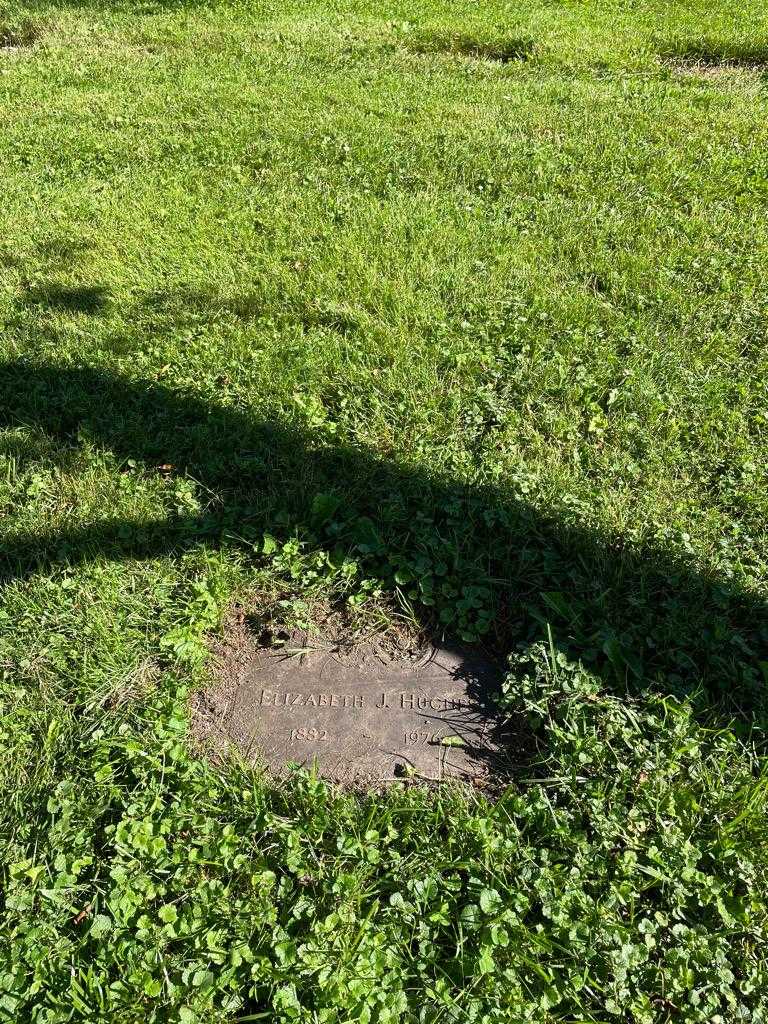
452, 318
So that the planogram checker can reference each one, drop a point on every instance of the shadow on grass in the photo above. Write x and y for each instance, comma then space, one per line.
641, 617
198, 305
714, 53
20, 33
67, 299
500, 50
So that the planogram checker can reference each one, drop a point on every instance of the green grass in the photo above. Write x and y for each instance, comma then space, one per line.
462, 312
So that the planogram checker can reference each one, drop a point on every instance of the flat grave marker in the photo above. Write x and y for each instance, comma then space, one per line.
361, 721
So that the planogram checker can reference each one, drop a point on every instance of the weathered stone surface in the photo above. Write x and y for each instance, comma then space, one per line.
364, 721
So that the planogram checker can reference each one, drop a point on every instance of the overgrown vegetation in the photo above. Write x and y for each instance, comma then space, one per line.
626, 884
461, 311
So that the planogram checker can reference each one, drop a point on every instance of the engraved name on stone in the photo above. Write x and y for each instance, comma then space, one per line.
355, 701
364, 723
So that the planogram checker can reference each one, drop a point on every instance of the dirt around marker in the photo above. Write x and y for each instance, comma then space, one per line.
363, 720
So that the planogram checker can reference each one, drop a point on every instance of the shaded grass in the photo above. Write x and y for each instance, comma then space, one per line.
67, 298
501, 49
711, 52
24, 32
474, 558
